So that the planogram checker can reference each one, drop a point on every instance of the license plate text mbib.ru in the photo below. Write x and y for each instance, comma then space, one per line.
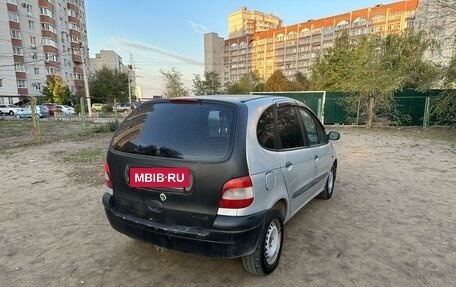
159, 177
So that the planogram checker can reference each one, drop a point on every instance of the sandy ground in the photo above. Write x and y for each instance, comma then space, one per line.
391, 222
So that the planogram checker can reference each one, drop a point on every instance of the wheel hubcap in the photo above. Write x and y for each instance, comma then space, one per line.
273, 242
330, 181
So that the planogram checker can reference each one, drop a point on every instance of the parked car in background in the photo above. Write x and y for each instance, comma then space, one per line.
9, 109
97, 107
122, 107
66, 110
26, 112
52, 108
247, 165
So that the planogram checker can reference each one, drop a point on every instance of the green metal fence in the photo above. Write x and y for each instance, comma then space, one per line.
330, 106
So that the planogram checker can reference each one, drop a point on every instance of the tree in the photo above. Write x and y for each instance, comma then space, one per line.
373, 67
56, 90
300, 82
108, 84
278, 82
209, 86
174, 87
249, 82
443, 107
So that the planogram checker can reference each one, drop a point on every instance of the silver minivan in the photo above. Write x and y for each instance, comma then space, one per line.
217, 175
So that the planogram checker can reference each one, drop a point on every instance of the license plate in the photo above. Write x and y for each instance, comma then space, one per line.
176, 177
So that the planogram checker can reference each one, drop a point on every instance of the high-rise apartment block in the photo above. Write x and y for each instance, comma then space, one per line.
243, 22
295, 47
40, 38
111, 60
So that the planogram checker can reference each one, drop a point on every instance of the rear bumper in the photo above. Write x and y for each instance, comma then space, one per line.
229, 236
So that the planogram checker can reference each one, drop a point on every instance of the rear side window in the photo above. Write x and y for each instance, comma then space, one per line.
178, 130
265, 129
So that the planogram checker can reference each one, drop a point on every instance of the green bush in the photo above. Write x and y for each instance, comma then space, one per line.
77, 109
110, 126
107, 109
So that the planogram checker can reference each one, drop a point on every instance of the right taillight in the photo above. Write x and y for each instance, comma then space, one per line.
107, 175
237, 193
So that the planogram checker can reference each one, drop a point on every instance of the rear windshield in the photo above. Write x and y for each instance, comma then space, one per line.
192, 130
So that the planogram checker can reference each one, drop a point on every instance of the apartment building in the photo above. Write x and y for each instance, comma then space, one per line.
111, 60
40, 38
295, 47
439, 18
244, 21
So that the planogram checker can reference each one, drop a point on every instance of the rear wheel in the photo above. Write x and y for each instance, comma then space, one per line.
266, 256
11, 113
329, 187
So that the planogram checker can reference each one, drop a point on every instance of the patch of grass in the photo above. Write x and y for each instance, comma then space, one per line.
108, 127
17, 133
87, 165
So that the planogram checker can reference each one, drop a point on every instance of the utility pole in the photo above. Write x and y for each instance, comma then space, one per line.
86, 81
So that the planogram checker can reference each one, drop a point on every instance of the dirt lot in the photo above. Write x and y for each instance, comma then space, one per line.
391, 222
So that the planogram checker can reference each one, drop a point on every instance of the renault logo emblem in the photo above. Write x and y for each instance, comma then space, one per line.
162, 196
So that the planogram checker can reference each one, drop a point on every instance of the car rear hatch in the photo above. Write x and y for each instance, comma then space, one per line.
186, 133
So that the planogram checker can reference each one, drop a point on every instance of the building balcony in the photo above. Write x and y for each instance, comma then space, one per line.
76, 58
47, 19
22, 91
47, 4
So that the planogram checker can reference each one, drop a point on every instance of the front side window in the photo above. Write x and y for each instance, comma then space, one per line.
314, 129
289, 129
311, 129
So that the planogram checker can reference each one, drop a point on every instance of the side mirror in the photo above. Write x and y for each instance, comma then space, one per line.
334, 136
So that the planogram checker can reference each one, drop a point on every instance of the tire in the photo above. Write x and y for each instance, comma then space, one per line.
18, 116
329, 186
266, 256
11, 113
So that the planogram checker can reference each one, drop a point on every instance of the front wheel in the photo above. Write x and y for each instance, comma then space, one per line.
18, 116
266, 256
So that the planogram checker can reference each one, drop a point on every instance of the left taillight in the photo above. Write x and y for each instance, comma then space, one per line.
237, 193
107, 175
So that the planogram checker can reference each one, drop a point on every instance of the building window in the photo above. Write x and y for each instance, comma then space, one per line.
48, 27
13, 16
15, 34
47, 12
395, 16
19, 67
36, 71
21, 84
378, 18
33, 41
31, 25
50, 71
33, 56
50, 57
14, 2
29, 10
395, 26
18, 51
75, 26
49, 42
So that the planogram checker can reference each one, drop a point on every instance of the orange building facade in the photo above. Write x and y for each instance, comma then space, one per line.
294, 48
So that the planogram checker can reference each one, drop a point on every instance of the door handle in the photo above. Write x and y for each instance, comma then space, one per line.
288, 164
